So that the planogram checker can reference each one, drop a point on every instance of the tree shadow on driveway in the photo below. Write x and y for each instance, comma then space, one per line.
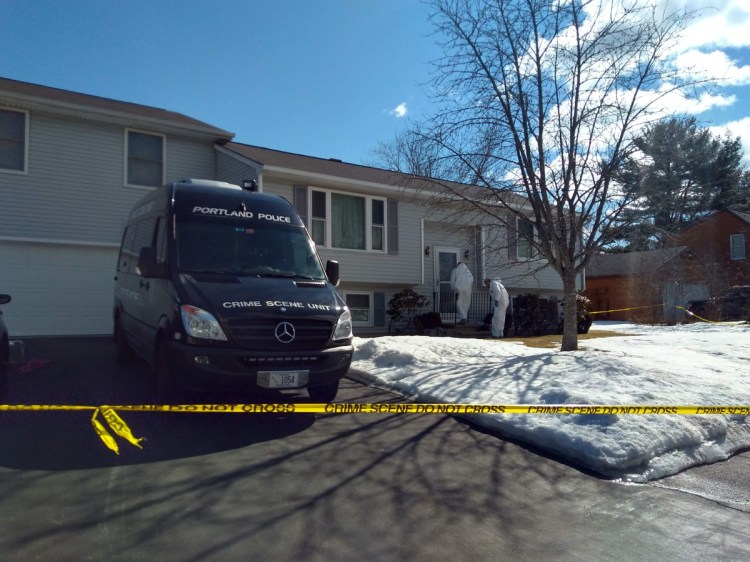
83, 371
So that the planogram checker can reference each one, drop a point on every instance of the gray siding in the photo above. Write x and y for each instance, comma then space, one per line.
233, 170
517, 275
74, 189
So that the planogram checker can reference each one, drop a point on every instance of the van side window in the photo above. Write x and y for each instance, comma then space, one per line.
127, 259
161, 241
144, 237
137, 236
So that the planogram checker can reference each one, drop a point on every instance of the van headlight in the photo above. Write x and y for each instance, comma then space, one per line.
343, 326
200, 324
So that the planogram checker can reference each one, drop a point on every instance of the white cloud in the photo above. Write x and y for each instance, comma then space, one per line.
739, 128
728, 26
713, 65
399, 111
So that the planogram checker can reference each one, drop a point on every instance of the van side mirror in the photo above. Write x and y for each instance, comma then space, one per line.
332, 272
4, 299
147, 262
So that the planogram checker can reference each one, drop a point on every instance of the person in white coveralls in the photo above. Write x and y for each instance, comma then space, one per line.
500, 302
462, 281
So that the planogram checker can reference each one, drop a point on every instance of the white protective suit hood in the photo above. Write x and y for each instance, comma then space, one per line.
461, 278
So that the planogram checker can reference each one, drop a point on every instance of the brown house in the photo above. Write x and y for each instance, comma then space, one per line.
702, 260
719, 244
642, 286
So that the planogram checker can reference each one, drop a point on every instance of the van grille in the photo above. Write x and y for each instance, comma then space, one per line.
260, 335
280, 362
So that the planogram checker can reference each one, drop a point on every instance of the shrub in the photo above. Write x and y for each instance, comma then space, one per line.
403, 307
532, 314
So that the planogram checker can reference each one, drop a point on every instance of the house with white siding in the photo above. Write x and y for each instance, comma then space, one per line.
73, 165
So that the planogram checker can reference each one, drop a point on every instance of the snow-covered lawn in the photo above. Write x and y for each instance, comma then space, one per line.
693, 364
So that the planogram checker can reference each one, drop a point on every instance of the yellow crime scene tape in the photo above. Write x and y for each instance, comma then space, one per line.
689, 313
118, 426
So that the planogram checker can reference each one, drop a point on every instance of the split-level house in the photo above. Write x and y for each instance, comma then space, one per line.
72, 166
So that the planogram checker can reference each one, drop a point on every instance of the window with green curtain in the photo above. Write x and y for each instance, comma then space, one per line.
348, 221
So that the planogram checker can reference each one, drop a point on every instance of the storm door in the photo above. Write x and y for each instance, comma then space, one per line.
446, 260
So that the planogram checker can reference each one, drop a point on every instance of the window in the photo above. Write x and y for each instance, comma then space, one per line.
13, 132
378, 224
352, 222
524, 246
737, 246
360, 306
145, 159
318, 218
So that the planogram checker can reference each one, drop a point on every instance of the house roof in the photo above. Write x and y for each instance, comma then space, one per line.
742, 216
20, 92
308, 167
280, 160
630, 263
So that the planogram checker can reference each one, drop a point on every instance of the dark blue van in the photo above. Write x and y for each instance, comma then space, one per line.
220, 287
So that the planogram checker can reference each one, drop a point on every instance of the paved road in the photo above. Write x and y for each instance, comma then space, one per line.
372, 487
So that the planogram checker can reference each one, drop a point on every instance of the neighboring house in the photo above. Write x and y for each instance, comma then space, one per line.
719, 243
703, 260
643, 286
72, 165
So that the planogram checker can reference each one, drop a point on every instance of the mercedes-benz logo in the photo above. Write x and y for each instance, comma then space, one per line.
284, 332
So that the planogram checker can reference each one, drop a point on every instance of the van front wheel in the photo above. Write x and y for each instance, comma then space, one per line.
324, 393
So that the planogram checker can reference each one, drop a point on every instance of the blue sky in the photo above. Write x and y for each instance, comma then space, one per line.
327, 78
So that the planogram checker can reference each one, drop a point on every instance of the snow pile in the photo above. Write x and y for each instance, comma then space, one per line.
695, 364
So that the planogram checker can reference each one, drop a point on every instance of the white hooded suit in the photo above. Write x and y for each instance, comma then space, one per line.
462, 281
500, 302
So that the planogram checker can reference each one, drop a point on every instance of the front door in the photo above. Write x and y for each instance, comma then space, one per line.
446, 260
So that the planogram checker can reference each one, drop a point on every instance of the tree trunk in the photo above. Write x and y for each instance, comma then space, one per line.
570, 312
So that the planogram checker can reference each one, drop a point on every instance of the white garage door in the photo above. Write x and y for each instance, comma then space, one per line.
57, 289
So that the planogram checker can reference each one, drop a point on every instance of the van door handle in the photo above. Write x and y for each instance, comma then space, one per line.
145, 284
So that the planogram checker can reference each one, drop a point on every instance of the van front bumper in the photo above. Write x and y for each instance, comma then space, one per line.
212, 369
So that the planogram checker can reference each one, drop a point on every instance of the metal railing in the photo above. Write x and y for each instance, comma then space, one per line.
445, 304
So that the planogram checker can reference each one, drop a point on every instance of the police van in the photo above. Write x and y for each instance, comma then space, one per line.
219, 287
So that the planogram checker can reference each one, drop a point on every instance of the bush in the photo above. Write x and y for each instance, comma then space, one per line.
403, 307
583, 317
532, 315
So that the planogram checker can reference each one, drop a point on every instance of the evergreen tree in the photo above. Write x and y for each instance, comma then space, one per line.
679, 173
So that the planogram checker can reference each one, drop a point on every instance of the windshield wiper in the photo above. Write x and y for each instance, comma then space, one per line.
289, 276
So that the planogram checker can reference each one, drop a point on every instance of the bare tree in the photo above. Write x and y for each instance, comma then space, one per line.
538, 103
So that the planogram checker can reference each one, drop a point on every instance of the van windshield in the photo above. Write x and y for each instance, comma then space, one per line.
228, 246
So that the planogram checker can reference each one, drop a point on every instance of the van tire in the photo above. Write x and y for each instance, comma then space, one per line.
167, 389
123, 352
323, 393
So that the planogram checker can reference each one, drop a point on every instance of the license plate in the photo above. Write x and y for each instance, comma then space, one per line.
282, 379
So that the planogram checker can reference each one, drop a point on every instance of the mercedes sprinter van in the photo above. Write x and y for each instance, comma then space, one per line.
219, 287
